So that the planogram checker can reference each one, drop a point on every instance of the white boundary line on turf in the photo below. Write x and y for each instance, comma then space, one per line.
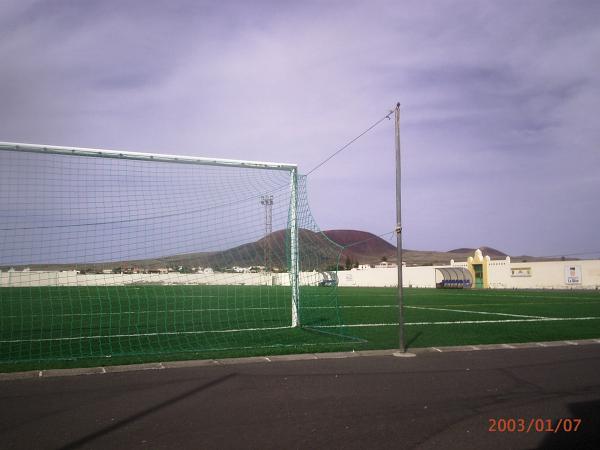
544, 319
475, 312
462, 322
509, 293
164, 333
350, 306
163, 311
540, 303
172, 311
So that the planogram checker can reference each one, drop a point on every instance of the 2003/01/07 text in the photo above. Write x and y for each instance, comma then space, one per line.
538, 425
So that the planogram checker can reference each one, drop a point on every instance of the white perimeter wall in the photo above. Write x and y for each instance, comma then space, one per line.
72, 278
411, 276
551, 275
544, 275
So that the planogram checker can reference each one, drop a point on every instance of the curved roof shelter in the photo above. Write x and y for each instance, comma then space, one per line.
458, 277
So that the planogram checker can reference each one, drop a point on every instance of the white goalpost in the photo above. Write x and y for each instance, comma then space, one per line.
292, 169
106, 252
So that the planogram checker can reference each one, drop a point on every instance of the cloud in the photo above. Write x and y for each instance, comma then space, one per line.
498, 126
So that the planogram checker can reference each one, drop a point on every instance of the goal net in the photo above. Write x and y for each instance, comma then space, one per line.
107, 253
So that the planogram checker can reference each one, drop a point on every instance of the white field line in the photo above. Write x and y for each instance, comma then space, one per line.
351, 306
542, 319
513, 294
356, 325
497, 294
461, 322
116, 313
270, 308
453, 305
164, 333
475, 312
540, 303
169, 311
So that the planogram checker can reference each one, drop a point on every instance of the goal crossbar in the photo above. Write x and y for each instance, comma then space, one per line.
180, 159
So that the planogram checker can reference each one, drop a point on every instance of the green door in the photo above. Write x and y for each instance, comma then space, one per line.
478, 269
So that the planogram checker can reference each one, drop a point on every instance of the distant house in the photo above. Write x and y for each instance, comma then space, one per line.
385, 265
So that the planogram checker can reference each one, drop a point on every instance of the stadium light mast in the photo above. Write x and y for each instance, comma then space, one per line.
267, 202
402, 338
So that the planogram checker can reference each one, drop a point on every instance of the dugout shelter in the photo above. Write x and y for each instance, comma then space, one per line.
453, 278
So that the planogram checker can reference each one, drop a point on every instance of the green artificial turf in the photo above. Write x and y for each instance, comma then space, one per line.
443, 317
54, 327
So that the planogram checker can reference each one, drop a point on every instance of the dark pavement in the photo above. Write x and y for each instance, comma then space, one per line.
435, 400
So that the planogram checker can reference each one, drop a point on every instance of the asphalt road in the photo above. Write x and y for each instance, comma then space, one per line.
435, 400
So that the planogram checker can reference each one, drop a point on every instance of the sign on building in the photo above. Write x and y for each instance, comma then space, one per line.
520, 272
573, 274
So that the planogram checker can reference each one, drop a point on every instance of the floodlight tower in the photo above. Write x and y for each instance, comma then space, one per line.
267, 202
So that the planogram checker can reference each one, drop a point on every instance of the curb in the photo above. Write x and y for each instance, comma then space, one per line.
51, 373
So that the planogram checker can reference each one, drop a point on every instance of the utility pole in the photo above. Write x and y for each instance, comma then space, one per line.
402, 338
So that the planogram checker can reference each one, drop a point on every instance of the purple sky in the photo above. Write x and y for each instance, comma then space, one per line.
500, 129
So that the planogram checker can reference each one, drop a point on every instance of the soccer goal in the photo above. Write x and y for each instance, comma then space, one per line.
106, 253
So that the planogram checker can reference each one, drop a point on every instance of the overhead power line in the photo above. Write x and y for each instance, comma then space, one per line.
597, 252
349, 143
370, 239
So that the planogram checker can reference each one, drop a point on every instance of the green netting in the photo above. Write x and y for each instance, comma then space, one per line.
106, 257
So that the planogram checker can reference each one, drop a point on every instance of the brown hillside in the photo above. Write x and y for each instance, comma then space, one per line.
318, 251
361, 246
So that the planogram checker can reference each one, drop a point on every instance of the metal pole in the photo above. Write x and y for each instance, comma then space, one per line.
294, 251
402, 340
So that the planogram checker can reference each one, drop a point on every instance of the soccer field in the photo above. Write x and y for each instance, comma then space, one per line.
439, 317
86, 326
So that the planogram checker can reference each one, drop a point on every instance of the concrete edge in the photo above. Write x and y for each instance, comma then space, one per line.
49, 373
247, 360
190, 363
133, 367
72, 372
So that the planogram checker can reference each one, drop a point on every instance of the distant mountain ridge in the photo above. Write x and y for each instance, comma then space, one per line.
361, 246
318, 250
492, 252
366, 248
